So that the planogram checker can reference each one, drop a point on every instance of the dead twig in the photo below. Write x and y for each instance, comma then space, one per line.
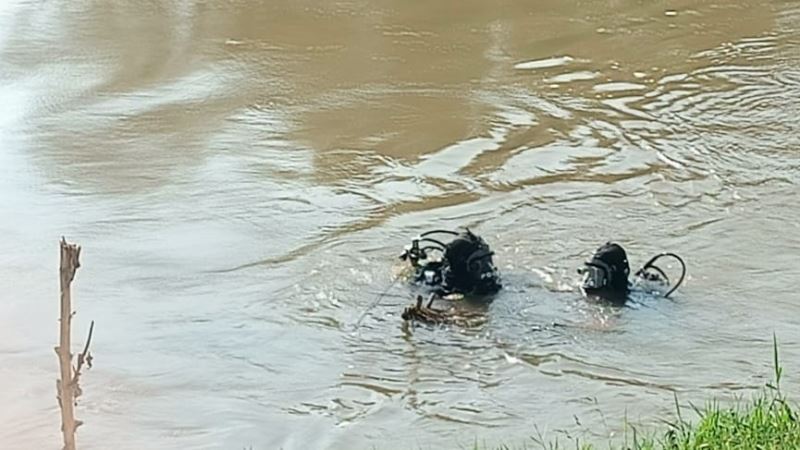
83, 357
67, 386
451, 316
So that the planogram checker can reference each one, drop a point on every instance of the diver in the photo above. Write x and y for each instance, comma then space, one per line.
605, 274
461, 266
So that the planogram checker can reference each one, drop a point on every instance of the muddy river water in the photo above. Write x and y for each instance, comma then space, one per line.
242, 175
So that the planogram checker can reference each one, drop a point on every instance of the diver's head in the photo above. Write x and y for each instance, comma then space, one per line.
605, 274
469, 268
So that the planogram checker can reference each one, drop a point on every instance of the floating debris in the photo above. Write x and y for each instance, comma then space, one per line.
451, 316
544, 63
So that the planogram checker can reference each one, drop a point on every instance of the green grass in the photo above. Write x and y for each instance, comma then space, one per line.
767, 422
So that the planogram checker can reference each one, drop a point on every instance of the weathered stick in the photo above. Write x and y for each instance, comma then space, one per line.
67, 387
428, 314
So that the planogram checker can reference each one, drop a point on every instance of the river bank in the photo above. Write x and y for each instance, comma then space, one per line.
769, 421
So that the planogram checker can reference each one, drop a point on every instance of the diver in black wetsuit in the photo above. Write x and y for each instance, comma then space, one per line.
605, 274
462, 266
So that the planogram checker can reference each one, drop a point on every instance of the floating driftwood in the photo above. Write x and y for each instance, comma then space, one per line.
451, 316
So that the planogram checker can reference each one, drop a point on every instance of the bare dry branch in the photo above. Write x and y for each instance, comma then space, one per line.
67, 386
85, 356
451, 316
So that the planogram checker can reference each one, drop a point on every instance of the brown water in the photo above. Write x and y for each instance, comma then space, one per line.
242, 175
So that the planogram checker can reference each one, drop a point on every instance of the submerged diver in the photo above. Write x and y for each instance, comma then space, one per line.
462, 266
605, 274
